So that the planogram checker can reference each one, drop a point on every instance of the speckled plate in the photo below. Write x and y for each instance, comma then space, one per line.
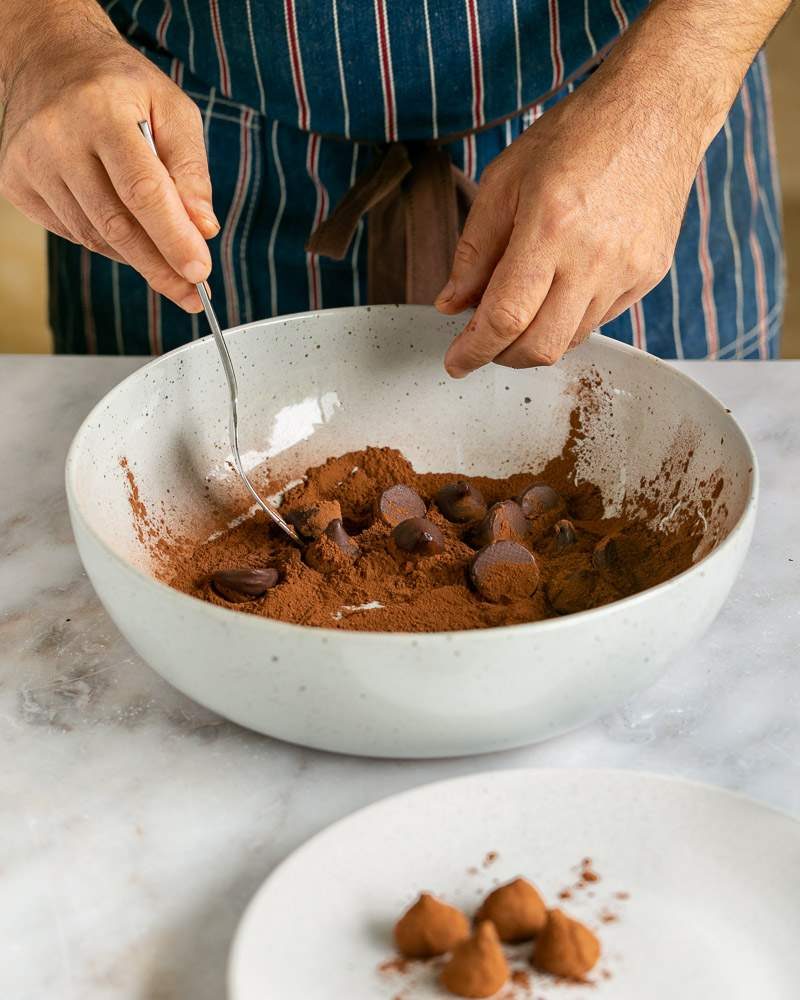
697, 897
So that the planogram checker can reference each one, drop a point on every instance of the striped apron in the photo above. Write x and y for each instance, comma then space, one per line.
301, 97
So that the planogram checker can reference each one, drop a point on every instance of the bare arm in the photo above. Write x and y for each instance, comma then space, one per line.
72, 158
579, 217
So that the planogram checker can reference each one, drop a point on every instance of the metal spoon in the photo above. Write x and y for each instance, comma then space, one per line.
230, 374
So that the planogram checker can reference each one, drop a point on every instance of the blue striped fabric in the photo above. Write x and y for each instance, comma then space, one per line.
454, 65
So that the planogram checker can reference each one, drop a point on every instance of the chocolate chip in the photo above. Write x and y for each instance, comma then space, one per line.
504, 571
565, 535
461, 502
399, 503
505, 520
240, 585
573, 591
605, 553
311, 521
323, 556
418, 535
538, 499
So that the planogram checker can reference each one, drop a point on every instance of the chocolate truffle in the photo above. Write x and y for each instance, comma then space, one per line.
240, 585
571, 590
539, 499
334, 548
504, 520
418, 536
605, 553
310, 522
399, 503
565, 535
516, 910
565, 948
461, 502
429, 928
504, 571
478, 967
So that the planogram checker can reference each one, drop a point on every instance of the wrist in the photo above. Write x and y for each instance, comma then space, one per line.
30, 28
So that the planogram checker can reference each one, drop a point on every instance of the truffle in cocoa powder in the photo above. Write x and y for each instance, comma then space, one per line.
311, 521
399, 503
504, 571
240, 585
332, 550
504, 520
461, 502
419, 537
429, 928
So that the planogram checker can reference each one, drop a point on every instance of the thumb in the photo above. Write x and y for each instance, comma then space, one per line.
179, 137
485, 237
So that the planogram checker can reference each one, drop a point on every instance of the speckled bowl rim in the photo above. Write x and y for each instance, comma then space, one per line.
410, 638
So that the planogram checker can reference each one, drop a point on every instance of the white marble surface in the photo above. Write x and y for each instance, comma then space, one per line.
134, 825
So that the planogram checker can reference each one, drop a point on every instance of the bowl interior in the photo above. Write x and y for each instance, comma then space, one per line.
152, 462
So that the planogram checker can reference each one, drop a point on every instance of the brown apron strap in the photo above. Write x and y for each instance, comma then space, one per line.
416, 201
333, 236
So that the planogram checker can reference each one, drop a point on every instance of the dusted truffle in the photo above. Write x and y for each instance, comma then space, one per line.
398, 504
478, 967
311, 521
430, 927
333, 549
565, 947
505, 520
504, 571
516, 910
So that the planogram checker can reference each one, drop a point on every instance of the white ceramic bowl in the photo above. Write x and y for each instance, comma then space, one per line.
318, 384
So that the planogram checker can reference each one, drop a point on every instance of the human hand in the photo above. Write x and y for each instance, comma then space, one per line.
73, 159
578, 218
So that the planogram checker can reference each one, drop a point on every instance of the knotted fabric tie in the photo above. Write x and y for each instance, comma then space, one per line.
415, 200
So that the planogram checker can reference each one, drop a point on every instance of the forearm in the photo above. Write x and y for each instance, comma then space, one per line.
683, 61
28, 27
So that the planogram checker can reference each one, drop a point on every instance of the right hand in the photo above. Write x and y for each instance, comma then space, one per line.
73, 159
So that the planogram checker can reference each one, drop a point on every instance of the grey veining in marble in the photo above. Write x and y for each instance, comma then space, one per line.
134, 825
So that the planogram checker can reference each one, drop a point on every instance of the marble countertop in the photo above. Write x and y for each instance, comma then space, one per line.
135, 825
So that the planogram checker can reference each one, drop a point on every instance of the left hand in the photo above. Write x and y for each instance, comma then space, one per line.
574, 222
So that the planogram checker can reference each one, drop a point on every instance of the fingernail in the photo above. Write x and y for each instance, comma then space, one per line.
195, 271
210, 224
446, 293
191, 303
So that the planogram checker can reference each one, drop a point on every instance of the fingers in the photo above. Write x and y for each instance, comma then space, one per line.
620, 305
181, 146
590, 322
74, 224
512, 299
485, 236
92, 190
145, 188
550, 333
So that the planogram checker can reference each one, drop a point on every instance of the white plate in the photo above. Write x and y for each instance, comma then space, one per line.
713, 878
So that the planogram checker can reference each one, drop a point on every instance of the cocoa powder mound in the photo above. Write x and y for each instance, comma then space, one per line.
384, 590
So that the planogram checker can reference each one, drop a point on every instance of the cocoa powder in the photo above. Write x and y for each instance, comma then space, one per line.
383, 590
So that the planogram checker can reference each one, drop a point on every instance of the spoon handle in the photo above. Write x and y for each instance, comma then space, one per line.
230, 375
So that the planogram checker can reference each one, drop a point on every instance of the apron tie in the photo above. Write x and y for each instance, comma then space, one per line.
416, 201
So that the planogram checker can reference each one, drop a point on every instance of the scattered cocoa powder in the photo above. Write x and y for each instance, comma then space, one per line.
381, 589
